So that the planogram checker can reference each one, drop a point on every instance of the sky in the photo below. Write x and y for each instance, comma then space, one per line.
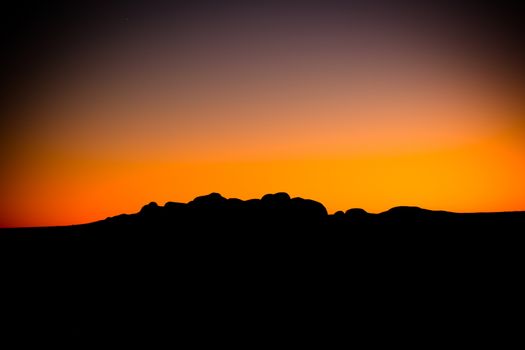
109, 106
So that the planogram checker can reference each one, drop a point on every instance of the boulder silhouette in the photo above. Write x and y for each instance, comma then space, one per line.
311, 209
405, 211
149, 209
279, 197
356, 213
339, 214
208, 201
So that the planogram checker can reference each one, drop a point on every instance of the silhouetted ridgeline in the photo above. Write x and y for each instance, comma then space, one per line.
278, 213
224, 267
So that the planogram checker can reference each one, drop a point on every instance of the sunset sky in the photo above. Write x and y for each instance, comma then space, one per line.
350, 104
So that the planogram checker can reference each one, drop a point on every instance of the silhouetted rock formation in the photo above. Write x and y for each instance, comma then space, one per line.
149, 208
212, 201
215, 256
275, 213
214, 213
356, 212
356, 215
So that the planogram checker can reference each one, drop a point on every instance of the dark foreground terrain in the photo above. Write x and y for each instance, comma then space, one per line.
221, 270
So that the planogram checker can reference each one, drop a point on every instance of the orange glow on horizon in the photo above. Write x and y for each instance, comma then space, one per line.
477, 177
356, 112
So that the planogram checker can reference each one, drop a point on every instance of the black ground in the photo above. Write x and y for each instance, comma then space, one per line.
221, 269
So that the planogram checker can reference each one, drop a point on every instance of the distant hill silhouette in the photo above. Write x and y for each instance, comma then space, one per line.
276, 213
270, 262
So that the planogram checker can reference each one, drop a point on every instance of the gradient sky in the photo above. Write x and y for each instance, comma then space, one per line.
111, 107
